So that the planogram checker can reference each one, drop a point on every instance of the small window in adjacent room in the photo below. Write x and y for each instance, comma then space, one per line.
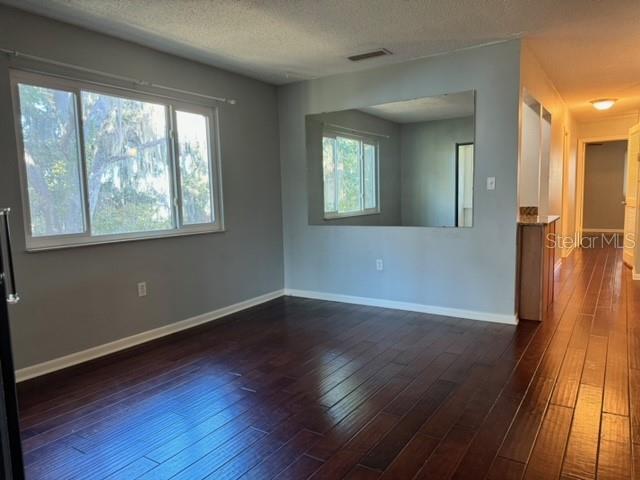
101, 165
464, 185
350, 173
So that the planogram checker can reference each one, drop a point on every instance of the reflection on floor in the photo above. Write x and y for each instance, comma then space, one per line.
298, 388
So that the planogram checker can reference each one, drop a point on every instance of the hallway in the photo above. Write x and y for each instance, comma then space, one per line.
303, 388
581, 413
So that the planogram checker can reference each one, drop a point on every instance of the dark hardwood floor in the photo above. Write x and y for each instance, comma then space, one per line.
297, 389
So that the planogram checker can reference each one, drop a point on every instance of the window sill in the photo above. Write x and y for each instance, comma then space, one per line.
350, 215
134, 237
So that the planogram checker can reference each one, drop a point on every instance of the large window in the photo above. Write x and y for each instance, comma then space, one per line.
350, 174
99, 165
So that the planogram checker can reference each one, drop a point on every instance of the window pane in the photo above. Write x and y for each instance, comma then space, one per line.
370, 197
52, 160
195, 174
128, 169
329, 174
349, 184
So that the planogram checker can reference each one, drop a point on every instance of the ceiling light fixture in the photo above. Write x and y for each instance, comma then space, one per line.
603, 103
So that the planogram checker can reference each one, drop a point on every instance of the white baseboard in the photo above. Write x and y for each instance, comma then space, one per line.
412, 307
143, 337
117, 345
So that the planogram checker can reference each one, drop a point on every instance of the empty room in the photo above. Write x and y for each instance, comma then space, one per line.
364, 239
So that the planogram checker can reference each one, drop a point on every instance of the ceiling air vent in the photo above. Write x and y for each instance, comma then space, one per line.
365, 56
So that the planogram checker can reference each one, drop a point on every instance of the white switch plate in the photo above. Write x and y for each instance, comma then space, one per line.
142, 289
379, 265
491, 183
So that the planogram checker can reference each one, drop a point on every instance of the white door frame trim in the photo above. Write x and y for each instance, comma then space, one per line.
582, 144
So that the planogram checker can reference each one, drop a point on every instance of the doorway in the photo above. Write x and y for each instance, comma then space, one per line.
605, 170
464, 184
591, 144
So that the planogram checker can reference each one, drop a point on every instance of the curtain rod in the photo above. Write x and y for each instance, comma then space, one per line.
135, 81
356, 131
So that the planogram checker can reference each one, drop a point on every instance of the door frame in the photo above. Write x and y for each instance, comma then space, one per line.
582, 150
635, 275
566, 194
458, 145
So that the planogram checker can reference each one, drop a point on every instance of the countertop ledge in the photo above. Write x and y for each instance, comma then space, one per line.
537, 219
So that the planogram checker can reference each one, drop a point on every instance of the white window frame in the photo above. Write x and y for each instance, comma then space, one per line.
364, 139
35, 243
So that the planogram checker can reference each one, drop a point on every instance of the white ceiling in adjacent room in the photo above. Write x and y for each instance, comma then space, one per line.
440, 107
588, 47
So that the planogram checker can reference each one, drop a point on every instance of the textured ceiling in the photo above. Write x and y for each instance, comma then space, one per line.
440, 107
594, 57
589, 47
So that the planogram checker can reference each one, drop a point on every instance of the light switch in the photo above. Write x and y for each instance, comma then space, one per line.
491, 183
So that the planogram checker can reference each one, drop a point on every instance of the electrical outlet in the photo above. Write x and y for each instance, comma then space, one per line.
379, 265
491, 183
142, 289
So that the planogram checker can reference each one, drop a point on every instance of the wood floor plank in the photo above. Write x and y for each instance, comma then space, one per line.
350, 425
404, 402
283, 457
524, 429
478, 458
411, 458
362, 473
372, 433
338, 466
505, 469
616, 387
449, 413
442, 463
303, 467
134, 470
381, 456
566, 388
595, 362
614, 456
582, 446
590, 300
548, 451
244, 461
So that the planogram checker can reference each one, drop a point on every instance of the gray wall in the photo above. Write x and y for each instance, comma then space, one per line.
389, 167
78, 298
429, 170
465, 268
603, 186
